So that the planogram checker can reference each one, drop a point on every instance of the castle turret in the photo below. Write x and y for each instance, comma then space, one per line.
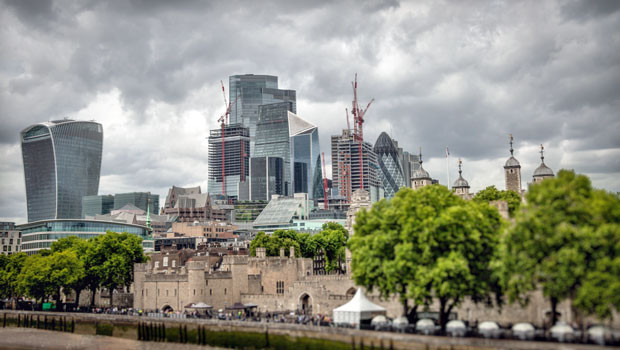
420, 177
461, 186
543, 171
512, 171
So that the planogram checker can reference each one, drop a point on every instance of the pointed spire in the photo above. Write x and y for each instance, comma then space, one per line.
511, 150
460, 171
420, 156
542, 155
148, 211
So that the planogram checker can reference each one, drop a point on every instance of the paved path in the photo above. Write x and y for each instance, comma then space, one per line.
28, 338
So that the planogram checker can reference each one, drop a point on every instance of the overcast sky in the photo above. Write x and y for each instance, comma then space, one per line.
458, 74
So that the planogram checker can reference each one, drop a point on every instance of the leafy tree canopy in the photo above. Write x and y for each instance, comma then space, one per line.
566, 240
425, 244
493, 194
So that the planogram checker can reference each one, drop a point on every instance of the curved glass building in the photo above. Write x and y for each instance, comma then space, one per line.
62, 164
391, 171
40, 235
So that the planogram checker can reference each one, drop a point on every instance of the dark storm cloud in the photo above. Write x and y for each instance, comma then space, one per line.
458, 74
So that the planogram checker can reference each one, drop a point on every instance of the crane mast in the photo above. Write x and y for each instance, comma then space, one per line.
358, 123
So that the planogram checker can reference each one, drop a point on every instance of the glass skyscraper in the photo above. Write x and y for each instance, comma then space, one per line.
97, 205
266, 177
272, 137
305, 155
62, 164
391, 171
247, 92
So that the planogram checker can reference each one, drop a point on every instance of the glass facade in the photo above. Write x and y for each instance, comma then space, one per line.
266, 177
248, 92
305, 155
237, 158
97, 205
139, 199
41, 234
390, 169
272, 137
62, 164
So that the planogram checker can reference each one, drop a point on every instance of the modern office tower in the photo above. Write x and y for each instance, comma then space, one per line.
346, 168
236, 146
266, 177
247, 92
390, 168
62, 164
97, 205
272, 137
139, 199
305, 157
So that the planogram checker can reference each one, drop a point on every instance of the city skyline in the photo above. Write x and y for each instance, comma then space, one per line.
441, 74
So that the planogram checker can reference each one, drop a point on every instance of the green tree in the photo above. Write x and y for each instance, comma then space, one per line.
331, 240
33, 278
425, 244
111, 258
565, 241
10, 268
80, 247
65, 270
493, 194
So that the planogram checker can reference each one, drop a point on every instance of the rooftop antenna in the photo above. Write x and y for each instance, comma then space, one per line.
511, 150
542, 155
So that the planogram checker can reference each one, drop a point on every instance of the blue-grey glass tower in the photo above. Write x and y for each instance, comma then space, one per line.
272, 137
266, 177
305, 155
391, 171
247, 92
62, 164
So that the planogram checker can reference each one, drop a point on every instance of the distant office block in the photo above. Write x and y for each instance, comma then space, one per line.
236, 145
97, 205
346, 168
305, 157
390, 168
247, 92
62, 164
272, 137
10, 238
139, 199
266, 177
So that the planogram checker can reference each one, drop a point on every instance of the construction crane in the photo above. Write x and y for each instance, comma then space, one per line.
324, 181
358, 122
223, 120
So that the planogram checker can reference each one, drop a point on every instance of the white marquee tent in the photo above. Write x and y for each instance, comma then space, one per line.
357, 310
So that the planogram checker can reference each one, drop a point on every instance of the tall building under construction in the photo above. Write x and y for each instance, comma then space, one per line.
346, 167
229, 169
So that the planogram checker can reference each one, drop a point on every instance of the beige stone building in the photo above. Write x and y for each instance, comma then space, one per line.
420, 177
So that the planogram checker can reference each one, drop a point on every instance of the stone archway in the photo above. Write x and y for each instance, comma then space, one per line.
167, 309
305, 303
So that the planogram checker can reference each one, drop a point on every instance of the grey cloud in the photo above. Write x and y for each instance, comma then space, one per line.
457, 74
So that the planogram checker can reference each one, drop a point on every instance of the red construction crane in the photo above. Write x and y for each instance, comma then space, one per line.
358, 122
223, 120
346, 111
324, 181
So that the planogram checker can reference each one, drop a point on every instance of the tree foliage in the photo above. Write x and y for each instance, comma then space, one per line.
566, 241
493, 194
73, 263
331, 241
425, 244
10, 267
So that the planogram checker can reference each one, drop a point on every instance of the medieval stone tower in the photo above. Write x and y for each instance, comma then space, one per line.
543, 171
461, 186
512, 171
420, 177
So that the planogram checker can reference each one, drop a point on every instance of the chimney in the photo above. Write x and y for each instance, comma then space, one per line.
282, 252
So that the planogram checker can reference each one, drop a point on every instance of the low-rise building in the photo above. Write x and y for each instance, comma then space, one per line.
39, 235
10, 238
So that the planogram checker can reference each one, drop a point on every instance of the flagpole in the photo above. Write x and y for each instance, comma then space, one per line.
448, 165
